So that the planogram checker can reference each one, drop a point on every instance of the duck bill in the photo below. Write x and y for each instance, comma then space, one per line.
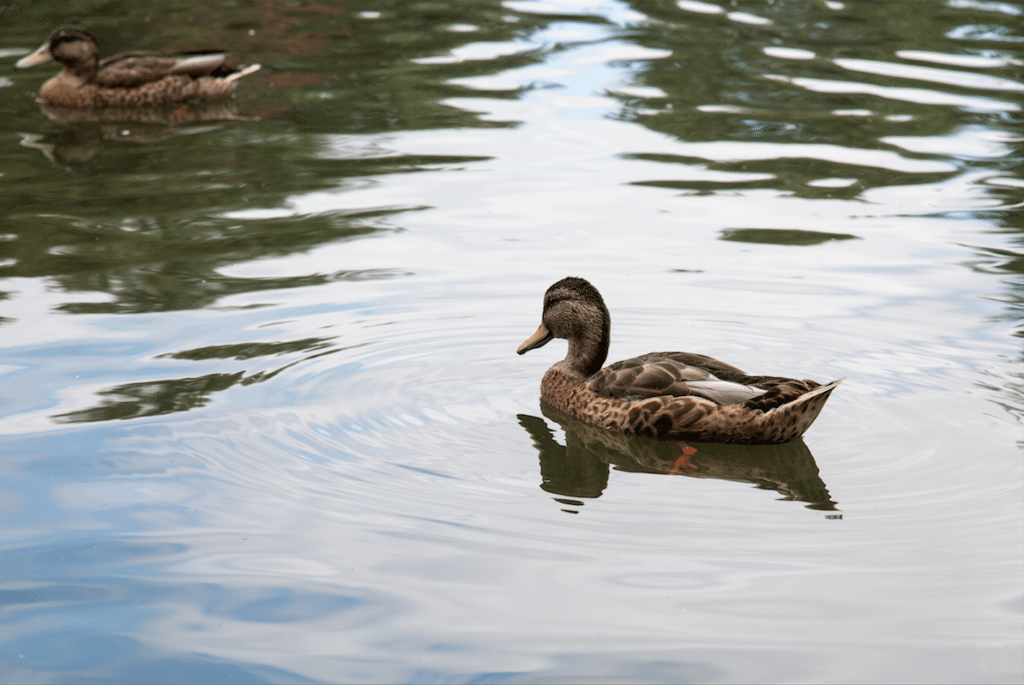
539, 339
38, 57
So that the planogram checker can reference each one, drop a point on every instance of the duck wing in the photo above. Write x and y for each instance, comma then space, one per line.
676, 374
133, 69
778, 391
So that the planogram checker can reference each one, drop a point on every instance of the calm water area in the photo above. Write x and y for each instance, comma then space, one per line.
261, 416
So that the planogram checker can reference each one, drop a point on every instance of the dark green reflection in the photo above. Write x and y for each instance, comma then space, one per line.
580, 468
153, 398
166, 396
791, 176
138, 206
730, 80
147, 263
251, 350
780, 236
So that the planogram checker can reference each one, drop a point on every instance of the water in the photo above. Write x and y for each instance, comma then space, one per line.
263, 418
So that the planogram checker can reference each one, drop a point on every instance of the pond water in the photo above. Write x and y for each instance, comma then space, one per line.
262, 417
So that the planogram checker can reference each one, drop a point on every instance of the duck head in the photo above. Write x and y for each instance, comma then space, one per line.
574, 310
75, 48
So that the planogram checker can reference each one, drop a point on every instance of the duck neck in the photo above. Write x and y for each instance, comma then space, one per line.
79, 58
84, 70
589, 349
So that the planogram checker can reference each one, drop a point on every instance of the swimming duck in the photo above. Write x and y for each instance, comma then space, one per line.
663, 395
130, 79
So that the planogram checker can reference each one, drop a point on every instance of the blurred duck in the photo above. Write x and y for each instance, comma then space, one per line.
130, 79
663, 395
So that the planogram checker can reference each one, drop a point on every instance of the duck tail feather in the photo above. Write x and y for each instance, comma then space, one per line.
792, 419
244, 71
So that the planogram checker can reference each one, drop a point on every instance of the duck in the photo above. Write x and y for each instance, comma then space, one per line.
678, 396
130, 79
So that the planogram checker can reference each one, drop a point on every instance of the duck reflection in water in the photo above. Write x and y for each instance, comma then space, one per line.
89, 130
580, 469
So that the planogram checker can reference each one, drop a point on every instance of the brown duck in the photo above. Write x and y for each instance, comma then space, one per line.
130, 79
664, 395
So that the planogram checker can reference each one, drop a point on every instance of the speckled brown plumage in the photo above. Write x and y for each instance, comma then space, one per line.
130, 79
663, 395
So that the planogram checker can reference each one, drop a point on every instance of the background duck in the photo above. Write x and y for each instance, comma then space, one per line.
130, 79
664, 395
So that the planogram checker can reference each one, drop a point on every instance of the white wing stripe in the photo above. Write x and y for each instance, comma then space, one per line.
724, 392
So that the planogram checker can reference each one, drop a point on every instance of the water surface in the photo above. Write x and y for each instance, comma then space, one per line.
263, 418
